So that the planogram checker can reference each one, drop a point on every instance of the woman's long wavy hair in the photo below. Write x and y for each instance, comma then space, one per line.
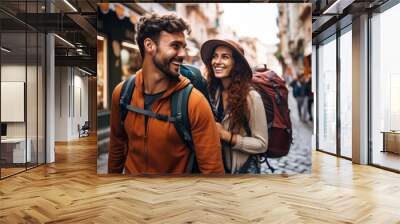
238, 91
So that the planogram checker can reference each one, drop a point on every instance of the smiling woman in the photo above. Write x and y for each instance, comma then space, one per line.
222, 62
241, 117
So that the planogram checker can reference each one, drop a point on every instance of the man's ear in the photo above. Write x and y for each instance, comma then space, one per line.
149, 46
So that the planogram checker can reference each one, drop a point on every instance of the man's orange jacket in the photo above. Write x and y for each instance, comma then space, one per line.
158, 148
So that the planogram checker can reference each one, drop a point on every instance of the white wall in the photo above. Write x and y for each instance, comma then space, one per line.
12, 73
33, 126
80, 94
50, 96
360, 90
71, 93
61, 103
13, 101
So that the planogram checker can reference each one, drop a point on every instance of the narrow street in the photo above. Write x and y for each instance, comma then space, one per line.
299, 158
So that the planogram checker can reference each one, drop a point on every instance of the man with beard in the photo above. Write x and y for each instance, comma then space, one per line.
143, 144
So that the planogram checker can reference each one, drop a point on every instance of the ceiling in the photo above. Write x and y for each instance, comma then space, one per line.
329, 14
20, 21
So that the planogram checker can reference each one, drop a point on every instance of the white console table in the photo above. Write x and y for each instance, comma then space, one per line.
17, 146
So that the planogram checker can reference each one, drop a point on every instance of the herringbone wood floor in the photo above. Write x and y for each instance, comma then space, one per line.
70, 191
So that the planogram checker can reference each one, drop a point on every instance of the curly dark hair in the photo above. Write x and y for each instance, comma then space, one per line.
151, 25
237, 91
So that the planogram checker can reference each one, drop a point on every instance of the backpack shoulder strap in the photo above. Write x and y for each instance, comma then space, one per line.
198, 81
280, 103
125, 98
179, 110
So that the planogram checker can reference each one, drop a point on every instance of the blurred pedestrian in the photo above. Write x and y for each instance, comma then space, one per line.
299, 93
288, 76
310, 98
241, 117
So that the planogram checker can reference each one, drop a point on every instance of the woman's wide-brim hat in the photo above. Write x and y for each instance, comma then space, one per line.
208, 47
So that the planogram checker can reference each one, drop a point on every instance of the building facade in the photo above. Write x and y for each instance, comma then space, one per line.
204, 21
294, 50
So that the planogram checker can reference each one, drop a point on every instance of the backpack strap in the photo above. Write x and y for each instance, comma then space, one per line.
150, 113
179, 110
126, 96
198, 81
279, 101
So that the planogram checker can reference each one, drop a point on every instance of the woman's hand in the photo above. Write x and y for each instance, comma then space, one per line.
223, 134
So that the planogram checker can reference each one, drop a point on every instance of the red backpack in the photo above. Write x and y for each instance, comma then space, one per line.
274, 95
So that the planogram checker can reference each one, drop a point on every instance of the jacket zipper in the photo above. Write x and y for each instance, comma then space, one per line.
146, 156
145, 145
146, 137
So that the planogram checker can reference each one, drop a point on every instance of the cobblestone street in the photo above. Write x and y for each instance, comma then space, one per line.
299, 158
